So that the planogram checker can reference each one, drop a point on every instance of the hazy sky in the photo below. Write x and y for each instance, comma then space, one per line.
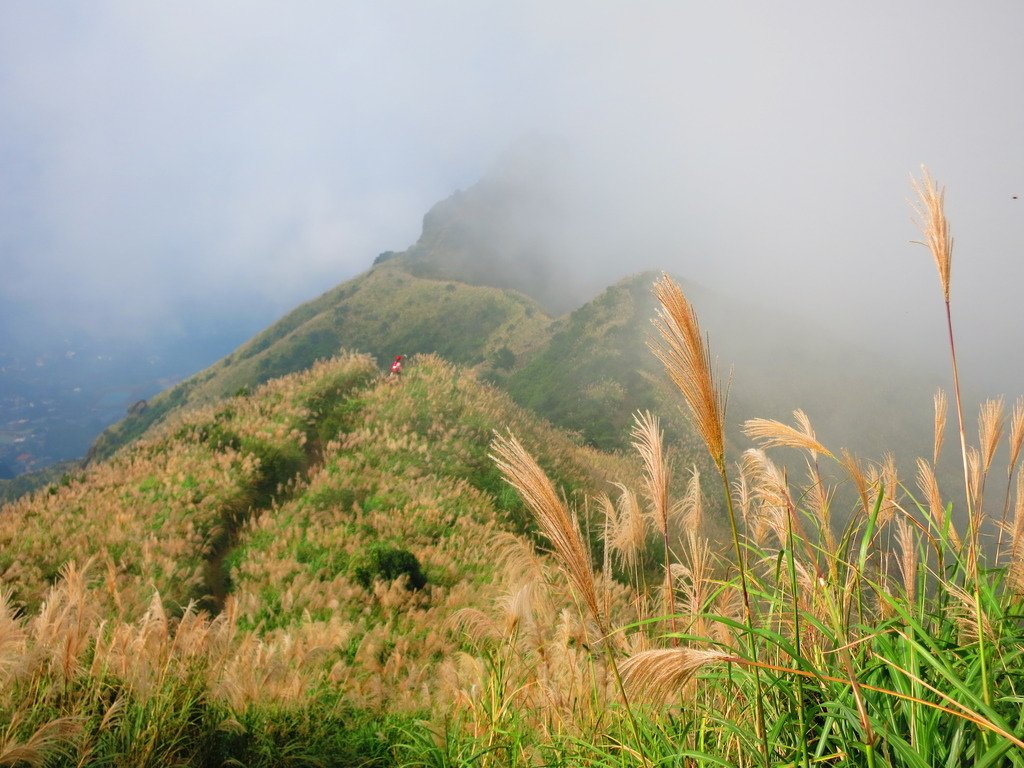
162, 162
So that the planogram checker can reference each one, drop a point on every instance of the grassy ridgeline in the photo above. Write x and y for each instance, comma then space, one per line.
383, 312
491, 661
374, 593
226, 588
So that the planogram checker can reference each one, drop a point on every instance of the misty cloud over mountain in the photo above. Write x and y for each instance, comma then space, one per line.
167, 167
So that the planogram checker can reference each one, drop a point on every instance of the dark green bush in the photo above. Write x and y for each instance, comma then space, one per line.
385, 562
503, 358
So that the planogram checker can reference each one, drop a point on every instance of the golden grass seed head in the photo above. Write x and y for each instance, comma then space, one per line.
684, 353
934, 227
941, 403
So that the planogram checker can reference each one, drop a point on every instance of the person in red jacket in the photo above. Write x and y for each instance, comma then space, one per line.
396, 368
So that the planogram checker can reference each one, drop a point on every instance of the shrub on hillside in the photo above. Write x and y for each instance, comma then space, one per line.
387, 563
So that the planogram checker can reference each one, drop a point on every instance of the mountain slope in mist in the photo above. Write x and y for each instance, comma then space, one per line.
474, 288
384, 312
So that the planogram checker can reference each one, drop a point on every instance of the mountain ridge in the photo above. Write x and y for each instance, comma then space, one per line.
465, 291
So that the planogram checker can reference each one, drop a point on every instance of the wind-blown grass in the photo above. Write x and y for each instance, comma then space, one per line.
890, 642
548, 628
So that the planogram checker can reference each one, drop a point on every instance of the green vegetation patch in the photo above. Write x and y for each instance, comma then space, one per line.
386, 562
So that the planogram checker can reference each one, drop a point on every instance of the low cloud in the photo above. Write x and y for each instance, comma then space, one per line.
164, 160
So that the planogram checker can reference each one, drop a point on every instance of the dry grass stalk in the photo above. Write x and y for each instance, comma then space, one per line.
974, 480
966, 612
991, 421
886, 479
941, 405
475, 624
522, 473
1015, 567
687, 361
775, 507
742, 494
630, 536
647, 440
611, 522
690, 509
13, 639
929, 487
818, 497
908, 557
934, 227
1016, 441
694, 578
936, 231
773, 433
48, 739
659, 673
65, 620
1016, 434
860, 481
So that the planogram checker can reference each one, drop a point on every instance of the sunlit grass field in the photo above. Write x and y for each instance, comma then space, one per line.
337, 569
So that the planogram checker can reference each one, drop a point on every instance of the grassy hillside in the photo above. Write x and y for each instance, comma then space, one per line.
331, 522
472, 289
25, 483
334, 570
337, 437
383, 312
595, 371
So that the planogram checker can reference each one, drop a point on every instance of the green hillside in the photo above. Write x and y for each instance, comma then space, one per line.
596, 370
473, 289
384, 312
334, 569
330, 523
290, 559
338, 437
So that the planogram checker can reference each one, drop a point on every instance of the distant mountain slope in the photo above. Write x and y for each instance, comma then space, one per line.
384, 312
596, 370
472, 290
511, 230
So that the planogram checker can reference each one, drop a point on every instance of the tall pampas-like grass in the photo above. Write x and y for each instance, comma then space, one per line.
1016, 437
48, 740
687, 360
1015, 567
657, 673
770, 434
941, 404
935, 229
991, 421
908, 563
928, 484
532, 484
691, 506
529, 480
648, 441
630, 535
